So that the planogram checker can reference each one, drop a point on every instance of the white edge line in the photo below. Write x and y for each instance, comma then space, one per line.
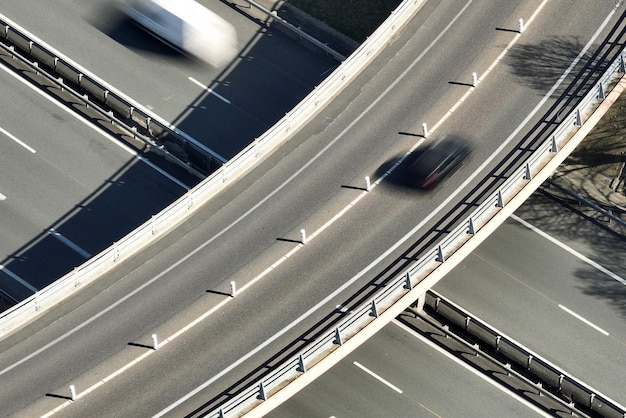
374, 375
18, 279
16, 139
569, 250
280, 187
591, 324
295, 322
137, 360
219, 96
97, 129
471, 369
367, 268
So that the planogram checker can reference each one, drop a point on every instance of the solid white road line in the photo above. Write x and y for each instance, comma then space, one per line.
18, 279
490, 68
2, 197
570, 250
14, 138
591, 324
269, 196
469, 368
69, 243
95, 128
219, 96
374, 375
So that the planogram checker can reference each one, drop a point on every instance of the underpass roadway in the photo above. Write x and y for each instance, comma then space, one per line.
560, 260
564, 267
401, 373
257, 222
69, 189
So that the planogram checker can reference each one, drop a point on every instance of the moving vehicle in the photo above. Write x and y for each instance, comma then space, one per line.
187, 26
437, 161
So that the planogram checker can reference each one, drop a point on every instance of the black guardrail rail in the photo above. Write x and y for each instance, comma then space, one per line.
195, 156
551, 376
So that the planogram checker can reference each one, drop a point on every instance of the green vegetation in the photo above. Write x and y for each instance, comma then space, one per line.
356, 19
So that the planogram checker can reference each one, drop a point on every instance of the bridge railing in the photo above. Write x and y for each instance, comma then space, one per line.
549, 374
102, 95
399, 287
387, 297
180, 210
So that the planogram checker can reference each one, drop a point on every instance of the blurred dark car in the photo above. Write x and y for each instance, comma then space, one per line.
437, 161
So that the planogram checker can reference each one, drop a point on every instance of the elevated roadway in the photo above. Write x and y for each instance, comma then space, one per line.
398, 373
559, 265
256, 223
225, 108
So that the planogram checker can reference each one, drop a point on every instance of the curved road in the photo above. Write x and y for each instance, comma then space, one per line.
548, 278
271, 74
255, 223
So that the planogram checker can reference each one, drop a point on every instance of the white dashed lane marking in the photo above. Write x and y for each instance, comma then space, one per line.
219, 96
374, 375
17, 140
591, 324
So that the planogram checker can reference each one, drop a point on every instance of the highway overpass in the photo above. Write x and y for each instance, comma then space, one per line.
257, 221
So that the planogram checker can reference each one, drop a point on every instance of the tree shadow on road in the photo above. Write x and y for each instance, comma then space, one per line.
541, 65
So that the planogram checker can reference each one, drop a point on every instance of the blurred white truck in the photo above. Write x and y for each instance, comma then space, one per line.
187, 26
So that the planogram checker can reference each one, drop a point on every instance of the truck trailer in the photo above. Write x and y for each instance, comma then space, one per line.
187, 26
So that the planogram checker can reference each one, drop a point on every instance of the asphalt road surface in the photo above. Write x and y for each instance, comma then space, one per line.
224, 108
397, 373
68, 190
556, 289
556, 293
246, 233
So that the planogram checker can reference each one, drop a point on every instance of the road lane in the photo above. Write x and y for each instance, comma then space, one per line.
70, 190
536, 292
432, 383
268, 77
188, 289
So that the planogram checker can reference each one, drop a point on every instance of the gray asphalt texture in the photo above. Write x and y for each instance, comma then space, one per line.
183, 288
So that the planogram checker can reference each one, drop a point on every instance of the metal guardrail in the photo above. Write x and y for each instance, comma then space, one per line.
139, 140
104, 96
336, 55
403, 283
184, 207
582, 201
559, 380
181, 209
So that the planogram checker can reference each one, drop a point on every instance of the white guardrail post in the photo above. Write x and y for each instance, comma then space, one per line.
400, 292
180, 210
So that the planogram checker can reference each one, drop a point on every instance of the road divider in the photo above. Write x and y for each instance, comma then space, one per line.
226, 174
285, 380
390, 300
146, 129
548, 374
